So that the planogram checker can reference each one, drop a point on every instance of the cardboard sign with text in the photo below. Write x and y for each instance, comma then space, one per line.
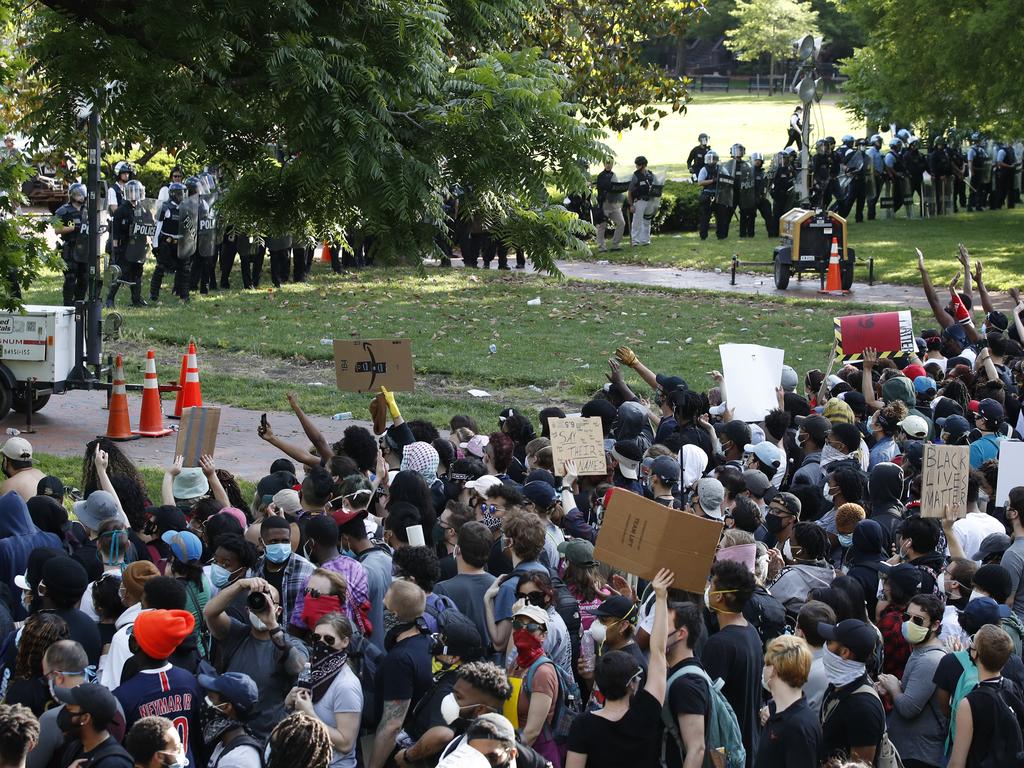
640, 536
891, 333
579, 440
366, 366
197, 434
944, 480
1011, 469
752, 373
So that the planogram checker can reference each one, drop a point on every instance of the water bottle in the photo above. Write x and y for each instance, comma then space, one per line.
305, 677
587, 652
493, 348
343, 416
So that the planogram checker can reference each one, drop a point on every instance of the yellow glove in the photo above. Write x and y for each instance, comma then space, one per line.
389, 398
626, 356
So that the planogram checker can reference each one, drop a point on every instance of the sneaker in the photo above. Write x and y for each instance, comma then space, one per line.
503, 266
520, 266
140, 303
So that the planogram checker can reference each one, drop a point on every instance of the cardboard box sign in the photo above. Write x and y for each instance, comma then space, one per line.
366, 366
579, 440
641, 536
197, 434
891, 333
944, 480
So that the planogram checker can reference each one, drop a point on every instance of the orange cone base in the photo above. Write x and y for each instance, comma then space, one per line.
132, 436
157, 433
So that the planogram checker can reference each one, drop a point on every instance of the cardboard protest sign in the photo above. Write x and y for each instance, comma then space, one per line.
891, 333
366, 366
579, 440
944, 480
1011, 469
197, 434
640, 536
752, 373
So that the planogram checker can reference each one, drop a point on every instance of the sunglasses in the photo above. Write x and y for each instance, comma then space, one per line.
532, 598
316, 594
488, 508
327, 639
921, 621
529, 626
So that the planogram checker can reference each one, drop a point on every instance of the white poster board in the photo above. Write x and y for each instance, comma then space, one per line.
1011, 469
752, 373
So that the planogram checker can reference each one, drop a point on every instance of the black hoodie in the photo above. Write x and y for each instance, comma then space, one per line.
885, 489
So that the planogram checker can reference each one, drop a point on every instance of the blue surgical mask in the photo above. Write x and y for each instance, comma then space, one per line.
845, 540
219, 576
279, 553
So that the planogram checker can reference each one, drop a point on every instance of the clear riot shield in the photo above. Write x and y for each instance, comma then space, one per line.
946, 194
927, 203
80, 252
656, 191
617, 194
188, 226
885, 197
724, 194
207, 237
870, 181
141, 231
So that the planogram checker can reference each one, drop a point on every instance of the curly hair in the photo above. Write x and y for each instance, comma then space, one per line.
133, 499
956, 390
106, 600
147, 737
500, 447
117, 464
232, 489
40, 632
487, 677
299, 740
18, 729
359, 445
526, 532
892, 414
236, 544
420, 564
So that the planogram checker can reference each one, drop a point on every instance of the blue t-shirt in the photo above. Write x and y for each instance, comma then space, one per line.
167, 691
506, 596
405, 672
984, 449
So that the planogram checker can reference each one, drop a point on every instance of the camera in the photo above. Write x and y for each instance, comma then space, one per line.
257, 602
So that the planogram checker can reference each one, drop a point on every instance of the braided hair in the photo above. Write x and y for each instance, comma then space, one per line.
41, 631
19, 731
299, 740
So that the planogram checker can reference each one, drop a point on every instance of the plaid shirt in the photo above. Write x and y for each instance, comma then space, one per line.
897, 649
296, 573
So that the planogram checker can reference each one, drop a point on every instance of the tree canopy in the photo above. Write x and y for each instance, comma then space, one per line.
769, 28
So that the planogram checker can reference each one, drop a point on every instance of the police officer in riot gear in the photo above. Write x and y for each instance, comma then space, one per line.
1003, 167
853, 165
915, 164
980, 174
821, 174
897, 175
874, 174
941, 170
695, 160
782, 182
610, 204
958, 165
761, 180
74, 234
200, 262
168, 232
707, 180
735, 188
131, 229
641, 189
115, 192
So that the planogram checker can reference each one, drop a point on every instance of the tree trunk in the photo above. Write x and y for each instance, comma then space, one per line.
680, 55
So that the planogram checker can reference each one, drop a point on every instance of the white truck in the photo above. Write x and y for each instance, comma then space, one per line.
37, 356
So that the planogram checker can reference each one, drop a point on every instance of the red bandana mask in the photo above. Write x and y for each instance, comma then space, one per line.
316, 607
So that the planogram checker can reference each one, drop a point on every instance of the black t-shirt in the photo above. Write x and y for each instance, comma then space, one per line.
857, 720
274, 578
948, 672
688, 695
631, 740
84, 630
499, 563
790, 739
32, 693
404, 673
448, 567
427, 713
987, 717
735, 654
109, 754
692, 435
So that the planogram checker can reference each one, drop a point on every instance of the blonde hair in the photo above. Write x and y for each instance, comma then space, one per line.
848, 515
790, 657
407, 600
734, 537
536, 445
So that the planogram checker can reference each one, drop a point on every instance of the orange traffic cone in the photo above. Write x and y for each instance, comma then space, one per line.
192, 395
181, 387
118, 424
151, 420
833, 281
325, 253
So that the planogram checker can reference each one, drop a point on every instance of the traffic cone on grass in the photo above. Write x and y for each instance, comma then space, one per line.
833, 280
118, 424
151, 420
192, 395
325, 254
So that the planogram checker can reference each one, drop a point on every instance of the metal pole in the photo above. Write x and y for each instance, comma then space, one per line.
94, 308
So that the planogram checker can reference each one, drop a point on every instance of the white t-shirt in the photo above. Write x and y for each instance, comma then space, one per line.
344, 695
972, 529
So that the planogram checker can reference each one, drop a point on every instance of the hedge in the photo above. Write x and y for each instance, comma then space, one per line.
680, 208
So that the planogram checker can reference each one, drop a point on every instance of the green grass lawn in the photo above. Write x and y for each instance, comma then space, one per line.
757, 122
255, 346
992, 236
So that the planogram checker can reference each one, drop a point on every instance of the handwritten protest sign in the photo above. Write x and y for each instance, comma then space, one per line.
891, 333
197, 434
1011, 469
579, 440
366, 366
944, 480
640, 536
752, 373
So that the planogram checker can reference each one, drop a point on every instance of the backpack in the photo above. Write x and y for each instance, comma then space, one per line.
644, 185
722, 734
441, 607
570, 703
452, 618
365, 658
1013, 627
245, 740
967, 683
1006, 747
886, 756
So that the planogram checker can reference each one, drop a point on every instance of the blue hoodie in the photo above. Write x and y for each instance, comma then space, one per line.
18, 537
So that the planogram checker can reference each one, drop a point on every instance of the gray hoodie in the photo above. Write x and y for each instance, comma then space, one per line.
795, 581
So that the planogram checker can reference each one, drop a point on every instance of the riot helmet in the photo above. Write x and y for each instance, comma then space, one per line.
192, 184
830, 140
134, 191
848, 140
209, 181
176, 191
711, 158
820, 146
737, 151
876, 139
895, 144
703, 139
123, 167
913, 142
903, 134
77, 193
791, 151
755, 156
938, 141
975, 137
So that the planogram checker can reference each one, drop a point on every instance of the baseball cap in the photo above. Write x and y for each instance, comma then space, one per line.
913, 371
493, 727
670, 384
711, 494
924, 384
98, 509
475, 445
993, 544
737, 432
816, 427
458, 637
532, 612
666, 468
50, 486
342, 515
915, 426
991, 409
18, 449
766, 452
184, 545
789, 502
287, 500
629, 455
236, 687
905, 575
93, 698
542, 494
757, 483
483, 484
955, 332
272, 483
614, 607
913, 453
981, 611
789, 380
955, 426
853, 633
578, 552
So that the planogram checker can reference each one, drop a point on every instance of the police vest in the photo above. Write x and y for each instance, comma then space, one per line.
711, 171
980, 159
171, 218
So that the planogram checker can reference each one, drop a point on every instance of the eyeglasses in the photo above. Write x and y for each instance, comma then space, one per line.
532, 598
327, 639
921, 621
529, 626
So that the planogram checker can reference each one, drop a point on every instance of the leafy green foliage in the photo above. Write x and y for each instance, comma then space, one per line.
769, 27
680, 208
23, 251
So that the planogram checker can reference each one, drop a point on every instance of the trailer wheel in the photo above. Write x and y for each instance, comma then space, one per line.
20, 404
781, 274
846, 275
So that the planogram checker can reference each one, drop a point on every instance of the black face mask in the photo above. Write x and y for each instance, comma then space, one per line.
214, 724
391, 638
65, 721
773, 523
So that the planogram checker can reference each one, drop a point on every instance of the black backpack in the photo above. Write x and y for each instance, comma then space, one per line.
365, 658
245, 740
1006, 747
644, 185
